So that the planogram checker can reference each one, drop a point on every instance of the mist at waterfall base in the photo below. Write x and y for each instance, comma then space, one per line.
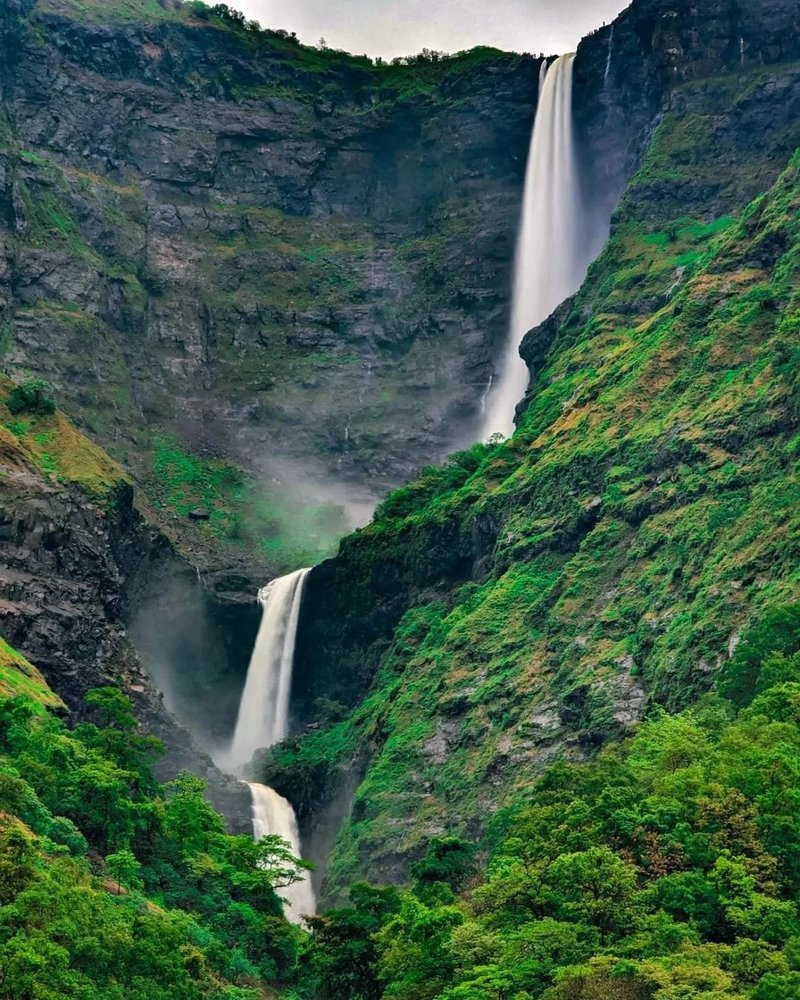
556, 243
263, 721
196, 650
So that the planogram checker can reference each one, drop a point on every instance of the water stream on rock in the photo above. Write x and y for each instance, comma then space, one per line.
609, 57
552, 257
263, 719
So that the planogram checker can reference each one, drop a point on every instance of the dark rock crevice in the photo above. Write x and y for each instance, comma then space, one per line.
72, 573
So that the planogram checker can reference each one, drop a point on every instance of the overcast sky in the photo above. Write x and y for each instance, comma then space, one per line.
401, 27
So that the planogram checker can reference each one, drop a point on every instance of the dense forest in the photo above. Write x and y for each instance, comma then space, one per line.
666, 868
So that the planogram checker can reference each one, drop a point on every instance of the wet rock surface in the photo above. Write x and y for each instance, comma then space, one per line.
70, 571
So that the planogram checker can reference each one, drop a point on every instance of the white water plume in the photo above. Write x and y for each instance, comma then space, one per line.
264, 719
551, 258
264, 709
272, 814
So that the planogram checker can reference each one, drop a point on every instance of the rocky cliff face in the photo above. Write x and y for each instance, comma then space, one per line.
74, 558
627, 73
289, 259
530, 601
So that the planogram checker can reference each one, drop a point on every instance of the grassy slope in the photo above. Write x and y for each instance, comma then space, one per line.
52, 445
19, 677
646, 508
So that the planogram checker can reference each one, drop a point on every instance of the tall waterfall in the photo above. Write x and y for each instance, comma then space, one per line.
551, 259
264, 719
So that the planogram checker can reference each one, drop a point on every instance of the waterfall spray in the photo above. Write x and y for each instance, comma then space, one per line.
551, 260
264, 719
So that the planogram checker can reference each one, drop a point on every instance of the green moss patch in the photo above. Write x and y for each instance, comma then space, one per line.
53, 445
19, 677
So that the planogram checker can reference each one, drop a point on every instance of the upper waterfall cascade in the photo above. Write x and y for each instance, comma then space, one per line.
551, 257
263, 718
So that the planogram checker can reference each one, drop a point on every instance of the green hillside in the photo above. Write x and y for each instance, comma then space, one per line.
644, 513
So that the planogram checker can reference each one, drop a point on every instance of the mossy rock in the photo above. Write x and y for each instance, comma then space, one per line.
52, 444
19, 677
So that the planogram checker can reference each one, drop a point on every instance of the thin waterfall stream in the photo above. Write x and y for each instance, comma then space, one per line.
609, 57
552, 254
263, 720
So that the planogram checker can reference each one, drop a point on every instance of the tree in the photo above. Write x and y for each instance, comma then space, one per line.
118, 739
17, 868
189, 821
125, 869
449, 860
596, 887
415, 957
113, 708
344, 953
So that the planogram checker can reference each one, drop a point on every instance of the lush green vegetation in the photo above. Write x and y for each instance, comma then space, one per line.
604, 560
667, 869
260, 515
592, 777
112, 886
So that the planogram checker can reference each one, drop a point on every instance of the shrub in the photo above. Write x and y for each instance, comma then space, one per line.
31, 398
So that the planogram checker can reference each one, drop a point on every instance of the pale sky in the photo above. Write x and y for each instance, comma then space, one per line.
401, 27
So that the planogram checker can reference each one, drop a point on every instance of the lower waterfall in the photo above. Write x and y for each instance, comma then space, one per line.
273, 814
263, 720
263, 717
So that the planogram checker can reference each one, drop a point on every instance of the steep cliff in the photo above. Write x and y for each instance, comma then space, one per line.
74, 556
266, 276
255, 271
530, 601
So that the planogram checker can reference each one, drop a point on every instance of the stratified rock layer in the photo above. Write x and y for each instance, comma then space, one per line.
273, 254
